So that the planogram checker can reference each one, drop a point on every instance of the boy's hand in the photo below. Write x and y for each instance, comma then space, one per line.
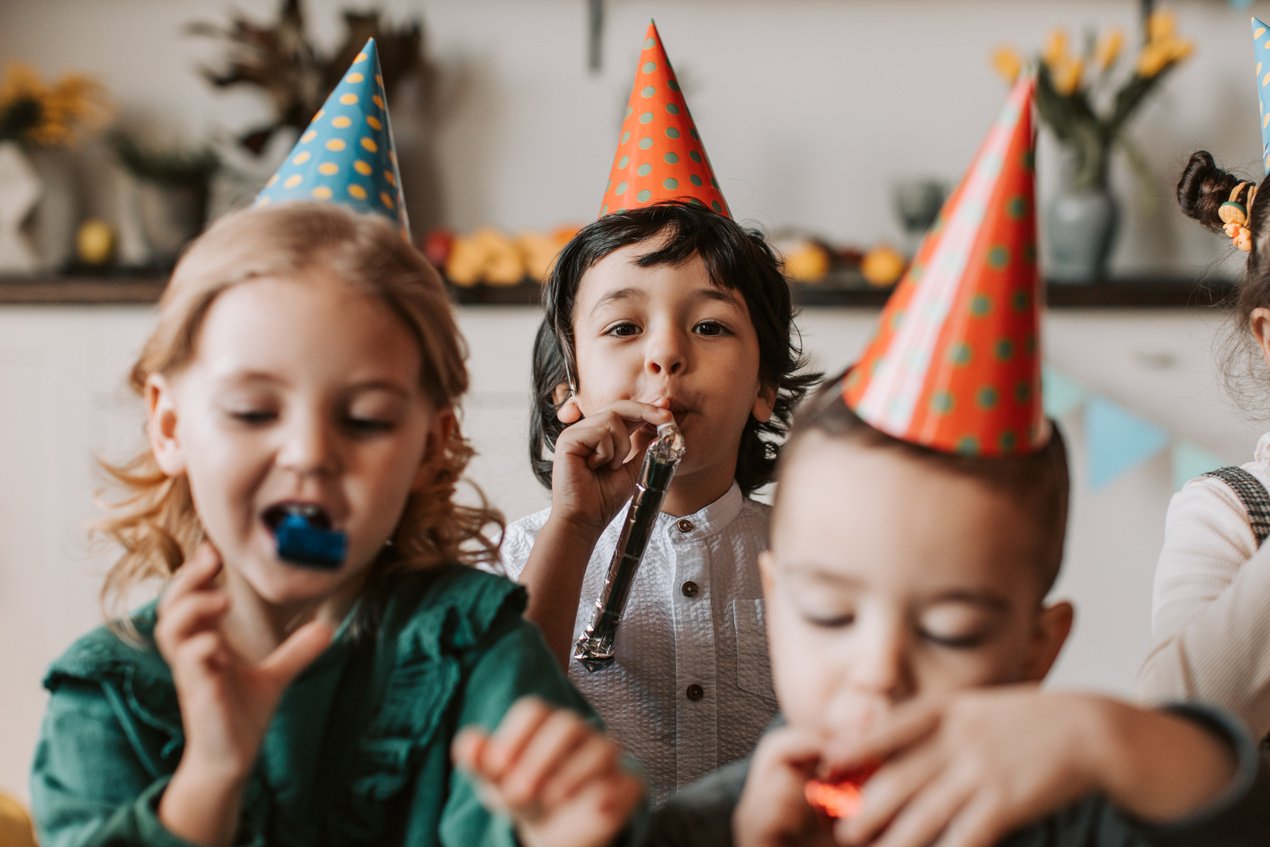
560, 779
595, 465
773, 808
226, 701
968, 769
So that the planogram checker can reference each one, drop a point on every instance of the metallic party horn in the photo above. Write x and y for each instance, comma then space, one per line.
595, 647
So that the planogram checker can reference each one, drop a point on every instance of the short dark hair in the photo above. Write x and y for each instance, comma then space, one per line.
736, 258
1039, 480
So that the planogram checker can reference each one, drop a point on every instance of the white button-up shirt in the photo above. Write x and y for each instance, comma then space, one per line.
690, 688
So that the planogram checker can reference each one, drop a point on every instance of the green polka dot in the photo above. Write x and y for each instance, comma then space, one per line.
714, 182
987, 397
1023, 392
1020, 301
646, 118
644, 170
998, 257
644, 196
717, 206
672, 84
623, 162
1008, 441
916, 271
672, 108
1016, 207
671, 132
629, 111
649, 67
694, 134
695, 180
941, 402
980, 305
1029, 253
959, 353
968, 445
670, 158
897, 321
670, 182
1028, 161
694, 201
1004, 349
695, 156
605, 210
620, 190
649, 44
626, 136
647, 91
645, 143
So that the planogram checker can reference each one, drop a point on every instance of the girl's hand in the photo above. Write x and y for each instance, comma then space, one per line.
596, 460
226, 701
560, 779
773, 808
967, 769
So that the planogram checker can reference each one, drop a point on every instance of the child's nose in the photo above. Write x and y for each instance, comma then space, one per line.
307, 447
665, 354
881, 666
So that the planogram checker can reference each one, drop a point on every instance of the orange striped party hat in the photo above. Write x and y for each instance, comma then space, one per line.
659, 154
955, 365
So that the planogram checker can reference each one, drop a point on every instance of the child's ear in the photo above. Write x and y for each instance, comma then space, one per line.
1259, 326
161, 426
1052, 626
444, 423
764, 403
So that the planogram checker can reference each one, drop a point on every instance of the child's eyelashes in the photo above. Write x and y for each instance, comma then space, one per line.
624, 329
252, 417
830, 621
368, 426
711, 328
969, 641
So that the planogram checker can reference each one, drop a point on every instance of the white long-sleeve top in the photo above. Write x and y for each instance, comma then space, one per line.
690, 688
1211, 610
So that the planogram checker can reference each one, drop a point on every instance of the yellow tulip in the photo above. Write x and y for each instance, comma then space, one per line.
1161, 26
1109, 47
1179, 49
1008, 63
1152, 60
1055, 47
1067, 75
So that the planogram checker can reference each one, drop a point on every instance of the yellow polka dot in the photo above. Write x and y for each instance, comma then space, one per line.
1265, 122
379, 79
273, 180
357, 191
322, 192
385, 199
390, 177
336, 144
1268, 163
379, 101
369, 144
328, 168
307, 137
1260, 32
362, 168
348, 99
354, 77
1265, 79
293, 181
301, 157
342, 122
361, 57
374, 122
320, 113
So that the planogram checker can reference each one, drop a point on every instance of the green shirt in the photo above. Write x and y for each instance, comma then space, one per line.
358, 752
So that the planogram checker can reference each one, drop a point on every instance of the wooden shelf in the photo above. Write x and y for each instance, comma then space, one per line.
1131, 293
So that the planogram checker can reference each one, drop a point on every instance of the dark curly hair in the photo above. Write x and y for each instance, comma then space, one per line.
737, 259
1201, 190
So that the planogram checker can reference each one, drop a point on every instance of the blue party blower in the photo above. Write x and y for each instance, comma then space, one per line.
304, 544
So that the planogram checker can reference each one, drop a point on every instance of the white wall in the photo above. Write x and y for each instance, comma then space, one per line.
810, 109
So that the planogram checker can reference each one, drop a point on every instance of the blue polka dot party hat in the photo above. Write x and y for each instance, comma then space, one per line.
347, 154
955, 365
1261, 47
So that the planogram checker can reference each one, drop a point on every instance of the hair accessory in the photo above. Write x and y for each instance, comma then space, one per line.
955, 365
347, 154
659, 154
1236, 216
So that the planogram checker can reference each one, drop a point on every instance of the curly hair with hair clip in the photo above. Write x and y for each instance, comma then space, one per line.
155, 522
1204, 191
737, 259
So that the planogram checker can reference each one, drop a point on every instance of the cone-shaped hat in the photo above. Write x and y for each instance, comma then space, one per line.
955, 365
659, 153
347, 154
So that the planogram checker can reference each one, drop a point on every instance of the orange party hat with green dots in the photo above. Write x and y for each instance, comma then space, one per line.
659, 154
955, 365
347, 154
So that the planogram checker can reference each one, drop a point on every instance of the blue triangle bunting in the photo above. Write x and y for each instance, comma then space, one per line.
1190, 461
1117, 441
1061, 393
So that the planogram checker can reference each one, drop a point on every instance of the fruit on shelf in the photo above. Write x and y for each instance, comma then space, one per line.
491, 257
882, 266
805, 260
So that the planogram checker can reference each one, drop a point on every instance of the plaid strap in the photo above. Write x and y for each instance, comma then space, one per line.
1252, 494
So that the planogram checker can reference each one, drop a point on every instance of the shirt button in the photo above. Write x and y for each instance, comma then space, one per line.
695, 692
690, 589
685, 525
